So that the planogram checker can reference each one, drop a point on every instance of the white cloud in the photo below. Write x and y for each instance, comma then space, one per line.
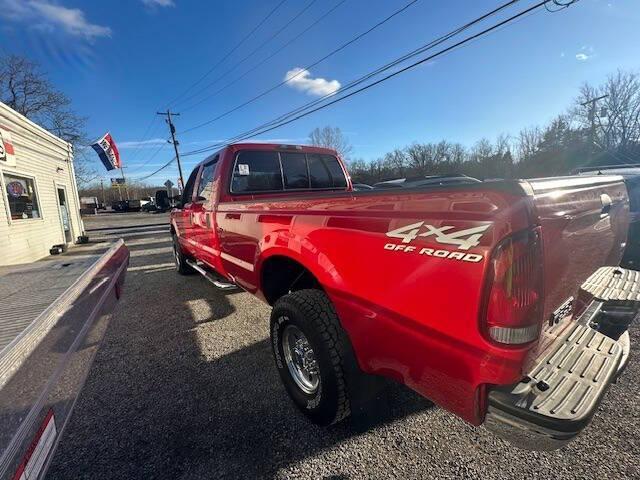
159, 3
45, 15
587, 52
301, 79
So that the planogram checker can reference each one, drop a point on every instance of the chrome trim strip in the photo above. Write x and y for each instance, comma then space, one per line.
237, 261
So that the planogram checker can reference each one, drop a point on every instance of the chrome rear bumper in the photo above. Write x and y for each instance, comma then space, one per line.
557, 399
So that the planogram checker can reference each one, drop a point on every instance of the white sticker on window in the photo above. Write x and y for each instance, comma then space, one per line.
243, 169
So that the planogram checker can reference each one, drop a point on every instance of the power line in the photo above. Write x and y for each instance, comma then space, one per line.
289, 79
393, 63
229, 53
144, 138
153, 155
262, 45
158, 170
411, 54
444, 51
265, 59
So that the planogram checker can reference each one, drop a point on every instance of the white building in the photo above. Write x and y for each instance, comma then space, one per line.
40, 206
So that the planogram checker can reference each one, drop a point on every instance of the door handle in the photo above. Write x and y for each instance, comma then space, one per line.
232, 216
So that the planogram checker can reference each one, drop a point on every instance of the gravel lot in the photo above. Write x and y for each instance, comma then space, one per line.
184, 387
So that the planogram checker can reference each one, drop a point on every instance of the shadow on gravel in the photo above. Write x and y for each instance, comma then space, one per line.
177, 395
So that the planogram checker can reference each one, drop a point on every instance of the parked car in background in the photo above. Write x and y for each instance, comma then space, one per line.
484, 302
149, 205
162, 200
426, 181
631, 175
119, 206
134, 205
359, 187
89, 205
126, 206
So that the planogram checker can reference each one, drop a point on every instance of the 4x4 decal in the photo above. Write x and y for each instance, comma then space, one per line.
464, 239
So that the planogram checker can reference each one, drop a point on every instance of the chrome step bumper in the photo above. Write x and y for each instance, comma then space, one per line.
561, 393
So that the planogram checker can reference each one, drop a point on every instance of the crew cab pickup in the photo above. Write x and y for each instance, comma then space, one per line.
500, 301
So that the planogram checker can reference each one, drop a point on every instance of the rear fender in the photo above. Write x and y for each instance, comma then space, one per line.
303, 251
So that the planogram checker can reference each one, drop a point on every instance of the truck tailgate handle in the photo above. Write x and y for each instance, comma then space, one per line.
232, 216
606, 204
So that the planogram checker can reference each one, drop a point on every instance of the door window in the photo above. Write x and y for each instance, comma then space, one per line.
205, 185
187, 195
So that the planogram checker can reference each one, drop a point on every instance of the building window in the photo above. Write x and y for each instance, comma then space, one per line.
22, 197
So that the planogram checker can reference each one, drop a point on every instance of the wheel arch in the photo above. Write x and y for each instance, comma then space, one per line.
280, 274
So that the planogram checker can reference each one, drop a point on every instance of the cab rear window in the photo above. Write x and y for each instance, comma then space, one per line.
257, 171
325, 172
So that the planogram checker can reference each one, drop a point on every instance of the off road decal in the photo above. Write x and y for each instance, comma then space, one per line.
442, 234
463, 239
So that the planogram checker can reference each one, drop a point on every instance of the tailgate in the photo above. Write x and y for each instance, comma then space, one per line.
43, 369
584, 226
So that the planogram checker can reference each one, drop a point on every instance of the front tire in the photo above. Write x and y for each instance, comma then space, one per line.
311, 352
180, 261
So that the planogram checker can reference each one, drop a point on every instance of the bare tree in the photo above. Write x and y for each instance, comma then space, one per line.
396, 162
617, 116
481, 150
421, 156
528, 142
26, 89
331, 137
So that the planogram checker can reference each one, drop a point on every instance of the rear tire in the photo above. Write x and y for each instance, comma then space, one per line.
312, 355
179, 259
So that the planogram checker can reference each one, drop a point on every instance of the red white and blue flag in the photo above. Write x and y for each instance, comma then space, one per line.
108, 152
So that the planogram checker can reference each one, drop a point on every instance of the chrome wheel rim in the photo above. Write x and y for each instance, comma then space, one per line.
300, 359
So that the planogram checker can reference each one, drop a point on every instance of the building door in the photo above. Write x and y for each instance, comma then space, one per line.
63, 207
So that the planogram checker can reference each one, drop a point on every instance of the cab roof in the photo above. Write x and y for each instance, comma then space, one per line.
281, 147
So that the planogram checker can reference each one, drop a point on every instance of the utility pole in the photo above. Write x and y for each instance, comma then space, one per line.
102, 191
173, 140
592, 118
124, 182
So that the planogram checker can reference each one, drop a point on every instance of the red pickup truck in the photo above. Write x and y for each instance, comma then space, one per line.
500, 301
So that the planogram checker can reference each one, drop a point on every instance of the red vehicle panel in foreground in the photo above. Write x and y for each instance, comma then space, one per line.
459, 291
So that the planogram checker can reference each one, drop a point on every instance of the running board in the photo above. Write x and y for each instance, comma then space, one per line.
218, 283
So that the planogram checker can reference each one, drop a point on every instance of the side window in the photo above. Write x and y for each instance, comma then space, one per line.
326, 172
256, 171
338, 180
294, 168
205, 185
187, 194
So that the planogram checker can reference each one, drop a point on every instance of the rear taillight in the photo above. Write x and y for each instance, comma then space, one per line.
513, 302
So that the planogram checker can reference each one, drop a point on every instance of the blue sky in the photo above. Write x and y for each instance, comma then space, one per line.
120, 61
